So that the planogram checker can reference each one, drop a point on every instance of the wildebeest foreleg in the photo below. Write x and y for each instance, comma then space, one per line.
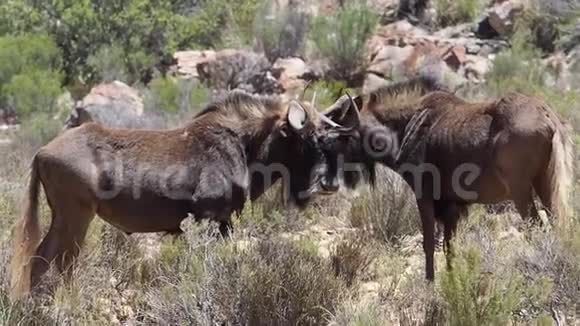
451, 214
427, 212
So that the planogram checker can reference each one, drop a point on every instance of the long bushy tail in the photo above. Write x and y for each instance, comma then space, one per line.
561, 171
26, 238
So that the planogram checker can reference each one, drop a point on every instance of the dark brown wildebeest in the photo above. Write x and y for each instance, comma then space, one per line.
149, 181
454, 153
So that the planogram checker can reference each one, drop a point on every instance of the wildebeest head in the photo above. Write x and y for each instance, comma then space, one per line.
343, 146
285, 140
300, 146
384, 114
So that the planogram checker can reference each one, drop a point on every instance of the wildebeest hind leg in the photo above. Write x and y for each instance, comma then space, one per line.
64, 239
542, 188
525, 206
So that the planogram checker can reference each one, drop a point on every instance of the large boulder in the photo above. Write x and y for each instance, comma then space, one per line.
239, 69
293, 74
113, 104
186, 62
502, 15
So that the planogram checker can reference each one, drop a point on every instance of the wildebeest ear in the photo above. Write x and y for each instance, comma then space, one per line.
345, 111
296, 115
77, 117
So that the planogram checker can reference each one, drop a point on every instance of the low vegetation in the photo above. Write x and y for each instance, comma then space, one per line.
451, 12
351, 259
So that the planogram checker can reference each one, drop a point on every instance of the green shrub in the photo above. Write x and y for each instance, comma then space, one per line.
30, 80
18, 16
38, 130
327, 92
453, 12
386, 212
341, 38
33, 92
166, 93
28, 52
281, 33
475, 296
171, 95
109, 63
242, 15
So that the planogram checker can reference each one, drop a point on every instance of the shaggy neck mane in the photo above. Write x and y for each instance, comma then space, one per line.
399, 100
252, 118
391, 106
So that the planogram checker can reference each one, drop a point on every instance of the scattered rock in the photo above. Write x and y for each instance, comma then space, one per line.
484, 29
113, 104
231, 69
501, 16
476, 67
373, 82
456, 31
401, 50
388, 57
293, 73
187, 61
454, 56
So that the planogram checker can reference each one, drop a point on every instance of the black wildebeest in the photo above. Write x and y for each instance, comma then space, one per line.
454, 153
149, 181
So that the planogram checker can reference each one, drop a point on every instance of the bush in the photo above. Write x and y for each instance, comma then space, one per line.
341, 39
271, 282
109, 64
33, 92
327, 92
241, 18
453, 12
477, 297
28, 52
554, 255
281, 34
386, 212
38, 130
359, 313
171, 95
29, 74
350, 258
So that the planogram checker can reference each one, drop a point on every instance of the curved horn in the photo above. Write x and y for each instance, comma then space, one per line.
329, 121
296, 115
356, 110
313, 101
305, 89
352, 101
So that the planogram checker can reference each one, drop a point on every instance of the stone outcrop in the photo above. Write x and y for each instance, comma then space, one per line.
114, 104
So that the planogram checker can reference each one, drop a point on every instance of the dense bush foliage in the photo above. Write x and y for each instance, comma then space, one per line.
281, 33
341, 38
143, 33
29, 73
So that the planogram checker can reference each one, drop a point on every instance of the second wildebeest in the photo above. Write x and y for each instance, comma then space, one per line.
454, 153
149, 181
